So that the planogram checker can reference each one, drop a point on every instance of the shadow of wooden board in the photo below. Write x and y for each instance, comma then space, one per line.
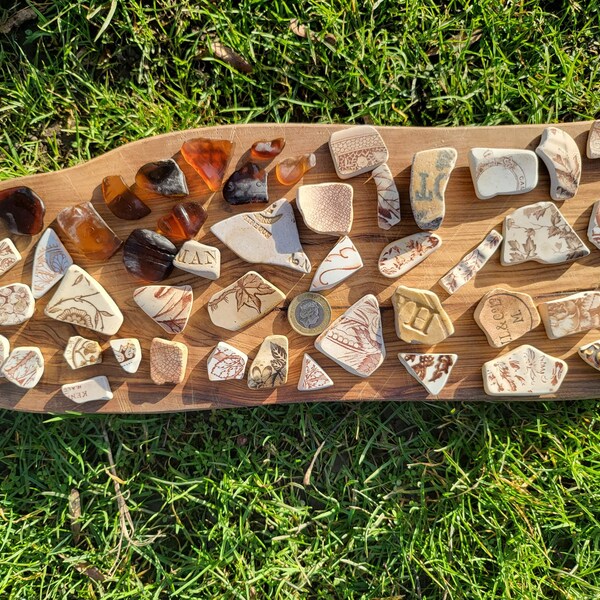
467, 221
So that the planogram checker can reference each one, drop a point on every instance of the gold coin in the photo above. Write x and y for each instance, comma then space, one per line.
309, 313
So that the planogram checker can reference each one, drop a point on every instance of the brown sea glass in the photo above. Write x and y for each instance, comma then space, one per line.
121, 201
291, 170
88, 231
183, 222
148, 255
248, 184
267, 149
209, 158
22, 210
163, 177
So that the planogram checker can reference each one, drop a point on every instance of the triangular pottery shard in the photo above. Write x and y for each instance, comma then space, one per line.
209, 159
540, 233
355, 340
50, 262
430, 370
312, 376
167, 305
357, 150
269, 236
571, 314
342, 261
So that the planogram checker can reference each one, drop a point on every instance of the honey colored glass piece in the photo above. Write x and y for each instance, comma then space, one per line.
163, 177
148, 255
291, 170
87, 230
183, 222
209, 159
22, 210
267, 149
123, 203
248, 184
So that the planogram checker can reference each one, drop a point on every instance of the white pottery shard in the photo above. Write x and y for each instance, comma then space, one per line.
9, 255
167, 305
90, 390
4, 351
326, 207
269, 369
168, 361
593, 141
312, 376
16, 304
342, 261
199, 259
128, 353
593, 231
357, 150
430, 370
81, 352
571, 314
404, 254
24, 367
50, 262
226, 362
388, 198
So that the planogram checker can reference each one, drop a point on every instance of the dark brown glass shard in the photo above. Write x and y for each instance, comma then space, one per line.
209, 158
148, 255
248, 184
22, 210
163, 177
183, 222
121, 201
291, 170
267, 149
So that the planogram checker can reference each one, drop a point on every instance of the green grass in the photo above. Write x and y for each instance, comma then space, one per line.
405, 500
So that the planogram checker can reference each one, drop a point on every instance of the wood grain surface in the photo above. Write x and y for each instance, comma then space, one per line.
467, 221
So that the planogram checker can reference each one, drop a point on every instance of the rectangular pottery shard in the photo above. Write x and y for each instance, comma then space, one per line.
168, 361
199, 259
357, 150
89, 390
572, 314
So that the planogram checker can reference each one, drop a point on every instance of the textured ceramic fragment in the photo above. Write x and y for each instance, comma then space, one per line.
309, 313
593, 231
430, 370
312, 376
246, 300
81, 352
163, 177
562, 158
128, 353
50, 262
81, 300
269, 369
540, 233
267, 149
590, 353
326, 207
571, 314
355, 340
291, 170
429, 177
96, 389
168, 361
167, 305
209, 159
9, 255
16, 304
471, 263
199, 259
22, 210
4, 351
24, 367
593, 141
246, 185
226, 362
357, 150
342, 261
269, 236
183, 222
401, 256
121, 201
148, 255
388, 198
525, 371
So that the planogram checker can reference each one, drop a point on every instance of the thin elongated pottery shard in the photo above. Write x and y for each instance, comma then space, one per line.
22, 210
246, 300
269, 236
50, 262
388, 198
24, 367
96, 389
357, 150
429, 177
399, 257
593, 141
168, 361
590, 353
524, 371
226, 362
312, 376
81, 300
571, 314
4, 351
342, 261
355, 340
209, 159
163, 177
16, 304
540, 233
593, 231
128, 353
9, 255
502, 171
199, 259
326, 207
562, 158
269, 369
167, 305
430, 370
471, 263
81, 352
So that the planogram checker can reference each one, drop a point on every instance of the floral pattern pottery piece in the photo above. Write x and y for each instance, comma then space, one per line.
168, 361
96, 389
50, 262
342, 261
593, 141
199, 259
357, 150
226, 362
9, 255
590, 353
326, 207
269, 369
571, 314
81, 352
128, 353
430, 370
388, 198
399, 257
24, 367
16, 304
167, 305
312, 376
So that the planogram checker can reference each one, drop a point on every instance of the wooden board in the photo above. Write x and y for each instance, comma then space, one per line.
467, 221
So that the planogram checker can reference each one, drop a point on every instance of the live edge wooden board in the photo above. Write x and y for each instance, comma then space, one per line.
467, 221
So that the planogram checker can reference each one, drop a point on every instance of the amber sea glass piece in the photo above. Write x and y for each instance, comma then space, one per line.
121, 201
183, 222
148, 255
23, 210
88, 231
163, 177
248, 184
209, 158
291, 170
267, 149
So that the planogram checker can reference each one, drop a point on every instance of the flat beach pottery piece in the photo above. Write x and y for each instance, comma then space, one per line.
355, 340
326, 207
471, 263
81, 352
4, 351
24, 367
430, 370
167, 305
168, 361
401, 256
312, 376
226, 362
9, 255
96, 389
540, 233
524, 371
16, 304
269, 236
590, 353
593, 141
246, 300
199, 259
128, 353
388, 198
50, 262
571, 314
593, 231
342, 261
562, 158
81, 300
357, 150
269, 369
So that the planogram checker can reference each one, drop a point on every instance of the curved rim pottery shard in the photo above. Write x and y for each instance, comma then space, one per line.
357, 150
404, 254
16, 304
342, 261
326, 207
50, 262
269, 237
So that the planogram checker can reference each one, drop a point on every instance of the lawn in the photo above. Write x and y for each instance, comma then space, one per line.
375, 500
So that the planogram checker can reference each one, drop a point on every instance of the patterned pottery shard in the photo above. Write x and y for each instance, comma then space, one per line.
246, 185
593, 141
50, 262
562, 158
312, 376
357, 150
326, 207
24, 367
226, 362
593, 231
167, 305
168, 361
590, 353
163, 177
199, 259
209, 159
128, 353
16, 304
355, 340
269, 369
540, 233
4, 351
429, 177
342, 261
269, 236
9, 255
525, 371
388, 198
401, 256
291, 170
95, 389
502, 171
571, 314
430, 370
81, 300
246, 300
22, 210
81, 352
471, 263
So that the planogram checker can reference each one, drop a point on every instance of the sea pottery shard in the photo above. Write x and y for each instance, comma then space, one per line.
167, 305
312, 376
22, 210
525, 371
4, 351
96, 389
291, 170
269, 236
128, 353
209, 159
81, 352
593, 231
50, 262
226, 362
590, 353
562, 158
540, 233
246, 185
593, 141
399, 257
269, 369
326, 207
357, 150
16, 304
430, 370
121, 201
162, 177
355, 340
267, 149
183, 222
24, 367
342, 261
199, 259
168, 361
388, 198
148, 255
571, 314
502, 171
9, 255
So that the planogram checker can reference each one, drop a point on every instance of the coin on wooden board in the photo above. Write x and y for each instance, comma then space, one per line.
309, 313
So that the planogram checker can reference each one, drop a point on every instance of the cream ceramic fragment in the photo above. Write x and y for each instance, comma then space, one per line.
269, 236
562, 158
593, 141
355, 340
326, 207
4, 351
168, 361
593, 231
404, 254
540, 233
16, 304
269, 369
9, 255
525, 371
89, 390
388, 198
167, 305
430, 370
50, 262
24, 367
312, 376
81, 300
357, 150
571, 314
226, 362
128, 353
81, 352
590, 353
199, 259
342, 261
